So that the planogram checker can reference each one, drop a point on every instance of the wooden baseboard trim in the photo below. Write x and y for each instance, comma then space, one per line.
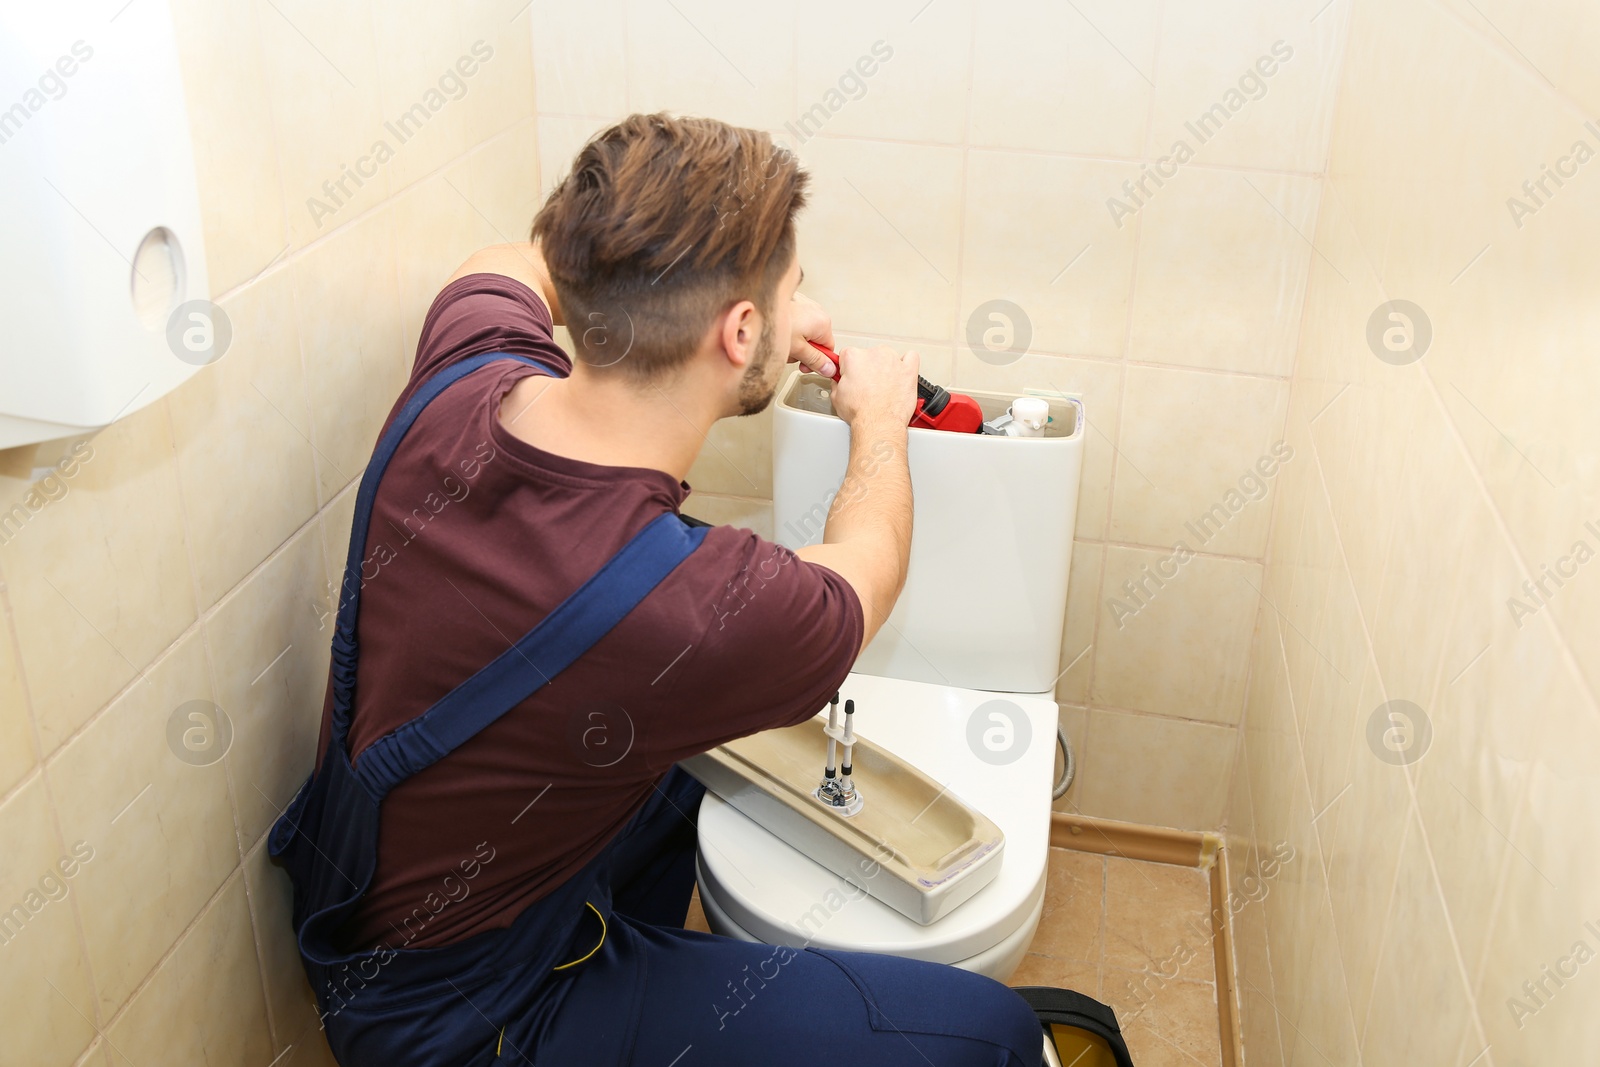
1182, 848
1154, 844
1222, 947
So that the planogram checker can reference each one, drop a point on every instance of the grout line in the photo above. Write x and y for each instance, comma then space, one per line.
58, 836
1517, 60
1044, 353
1046, 153
170, 951
285, 261
163, 654
252, 909
1105, 924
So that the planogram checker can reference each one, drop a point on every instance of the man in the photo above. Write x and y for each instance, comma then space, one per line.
494, 859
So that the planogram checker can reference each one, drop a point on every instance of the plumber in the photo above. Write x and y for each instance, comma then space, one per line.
521, 680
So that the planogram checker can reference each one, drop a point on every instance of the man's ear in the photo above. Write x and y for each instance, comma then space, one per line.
740, 333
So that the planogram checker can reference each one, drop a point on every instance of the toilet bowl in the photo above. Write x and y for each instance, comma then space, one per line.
756, 887
957, 683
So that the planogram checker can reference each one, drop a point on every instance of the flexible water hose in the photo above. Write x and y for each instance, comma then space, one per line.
1068, 767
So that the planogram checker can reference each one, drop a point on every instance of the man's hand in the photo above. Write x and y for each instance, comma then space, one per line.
867, 539
810, 323
879, 384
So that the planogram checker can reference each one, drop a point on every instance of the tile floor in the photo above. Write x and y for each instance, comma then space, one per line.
1135, 935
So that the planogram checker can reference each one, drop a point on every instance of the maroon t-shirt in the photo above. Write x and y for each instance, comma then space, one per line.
475, 537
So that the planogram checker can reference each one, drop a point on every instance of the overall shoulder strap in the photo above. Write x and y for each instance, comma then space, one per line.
574, 627
344, 631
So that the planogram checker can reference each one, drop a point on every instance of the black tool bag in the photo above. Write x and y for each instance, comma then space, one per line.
1079, 1030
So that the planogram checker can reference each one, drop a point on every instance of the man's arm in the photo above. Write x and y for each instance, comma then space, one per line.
867, 539
522, 261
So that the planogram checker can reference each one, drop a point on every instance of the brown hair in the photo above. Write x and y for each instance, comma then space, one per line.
662, 224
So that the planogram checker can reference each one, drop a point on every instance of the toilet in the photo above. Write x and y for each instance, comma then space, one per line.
959, 683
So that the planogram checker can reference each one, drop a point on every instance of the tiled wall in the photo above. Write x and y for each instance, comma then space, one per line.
1442, 863
976, 165
190, 557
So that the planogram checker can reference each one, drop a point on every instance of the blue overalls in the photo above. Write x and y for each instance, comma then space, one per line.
599, 971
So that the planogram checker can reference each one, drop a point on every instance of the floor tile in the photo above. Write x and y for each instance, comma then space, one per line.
1065, 974
1156, 918
1074, 901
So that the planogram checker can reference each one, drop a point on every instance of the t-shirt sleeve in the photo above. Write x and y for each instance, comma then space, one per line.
486, 313
781, 637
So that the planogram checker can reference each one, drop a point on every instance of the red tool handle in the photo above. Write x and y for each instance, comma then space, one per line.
955, 412
831, 354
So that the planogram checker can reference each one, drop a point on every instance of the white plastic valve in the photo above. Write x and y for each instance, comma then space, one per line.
1029, 414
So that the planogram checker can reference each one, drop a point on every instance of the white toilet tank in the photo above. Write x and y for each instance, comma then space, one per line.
985, 598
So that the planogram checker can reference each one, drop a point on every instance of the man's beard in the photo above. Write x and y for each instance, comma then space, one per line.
754, 391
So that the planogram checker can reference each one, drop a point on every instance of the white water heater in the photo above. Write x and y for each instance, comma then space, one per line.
100, 240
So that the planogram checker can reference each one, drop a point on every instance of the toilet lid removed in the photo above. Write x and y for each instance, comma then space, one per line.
994, 750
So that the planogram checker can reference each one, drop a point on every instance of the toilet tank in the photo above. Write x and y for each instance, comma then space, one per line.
986, 594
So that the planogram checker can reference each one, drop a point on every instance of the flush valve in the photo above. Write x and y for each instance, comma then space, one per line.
838, 788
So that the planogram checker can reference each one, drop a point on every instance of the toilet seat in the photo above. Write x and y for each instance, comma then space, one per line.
757, 887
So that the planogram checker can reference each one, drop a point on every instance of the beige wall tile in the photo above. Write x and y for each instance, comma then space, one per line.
1037, 234
880, 235
328, 111
504, 181
346, 296
501, 93
1334, 717
44, 976
1555, 37
580, 58
1185, 651
560, 138
162, 829
310, 1049
1358, 445
1412, 1020
436, 228
289, 1000
1223, 257
1270, 746
420, 92
719, 58
249, 405
335, 522
213, 984
269, 645
1279, 122
230, 116
917, 94
1149, 769
1317, 1005
486, 198
17, 746
1547, 906
1075, 720
936, 362
99, 579
1078, 635
1363, 831
97, 1055
1025, 96
1194, 458
736, 458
